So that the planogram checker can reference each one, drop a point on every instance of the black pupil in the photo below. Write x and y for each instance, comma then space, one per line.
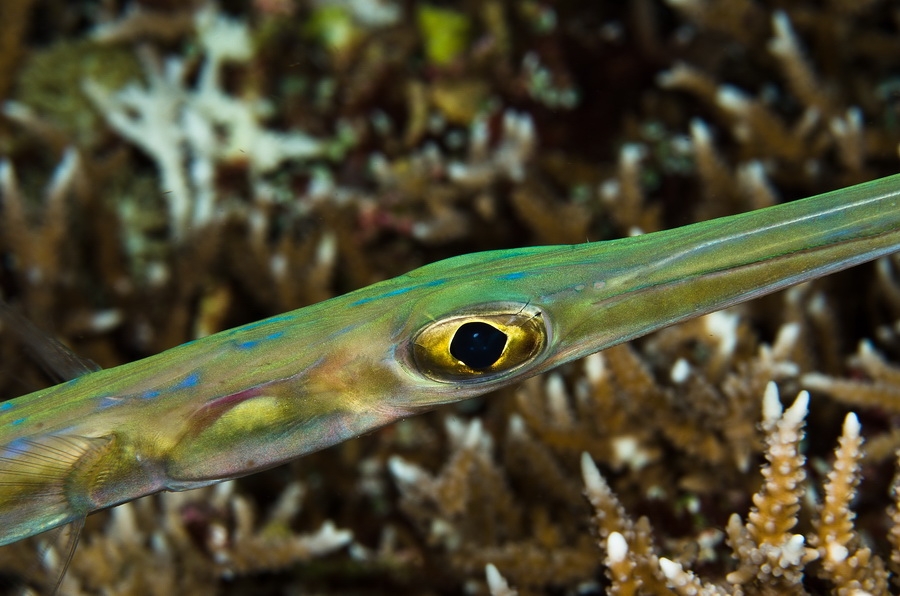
477, 345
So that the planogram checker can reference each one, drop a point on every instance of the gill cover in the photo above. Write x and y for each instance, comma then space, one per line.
480, 342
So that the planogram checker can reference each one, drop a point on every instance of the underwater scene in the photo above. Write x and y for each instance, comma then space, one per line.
170, 169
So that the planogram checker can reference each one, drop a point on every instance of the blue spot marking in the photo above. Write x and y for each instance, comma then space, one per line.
189, 381
399, 291
278, 319
5, 406
18, 421
150, 394
512, 253
512, 276
362, 301
252, 343
108, 401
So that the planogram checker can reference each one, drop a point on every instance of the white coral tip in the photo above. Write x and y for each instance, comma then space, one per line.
837, 553
681, 370
851, 426
700, 131
789, 333
405, 472
494, 579
517, 426
473, 435
497, 584
328, 539
616, 547
732, 99
593, 481
670, 569
865, 348
816, 381
771, 403
782, 24
632, 153
797, 412
594, 368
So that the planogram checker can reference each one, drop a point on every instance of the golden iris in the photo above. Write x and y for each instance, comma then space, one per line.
479, 343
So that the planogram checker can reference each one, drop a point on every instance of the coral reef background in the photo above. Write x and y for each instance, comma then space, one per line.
173, 168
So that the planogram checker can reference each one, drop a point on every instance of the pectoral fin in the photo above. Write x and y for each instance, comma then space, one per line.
37, 491
59, 362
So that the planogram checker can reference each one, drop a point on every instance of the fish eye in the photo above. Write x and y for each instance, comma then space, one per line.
478, 344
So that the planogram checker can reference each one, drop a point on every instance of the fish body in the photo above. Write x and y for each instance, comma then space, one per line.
256, 396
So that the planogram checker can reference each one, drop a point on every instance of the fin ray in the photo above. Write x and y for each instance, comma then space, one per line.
68, 538
56, 360
36, 492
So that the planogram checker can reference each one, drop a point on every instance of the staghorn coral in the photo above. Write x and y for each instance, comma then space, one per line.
551, 122
881, 392
768, 553
187, 131
630, 567
770, 559
771, 555
39, 243
182, 542
844, 561
497, 583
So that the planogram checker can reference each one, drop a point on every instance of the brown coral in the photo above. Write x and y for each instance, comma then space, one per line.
555, 122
